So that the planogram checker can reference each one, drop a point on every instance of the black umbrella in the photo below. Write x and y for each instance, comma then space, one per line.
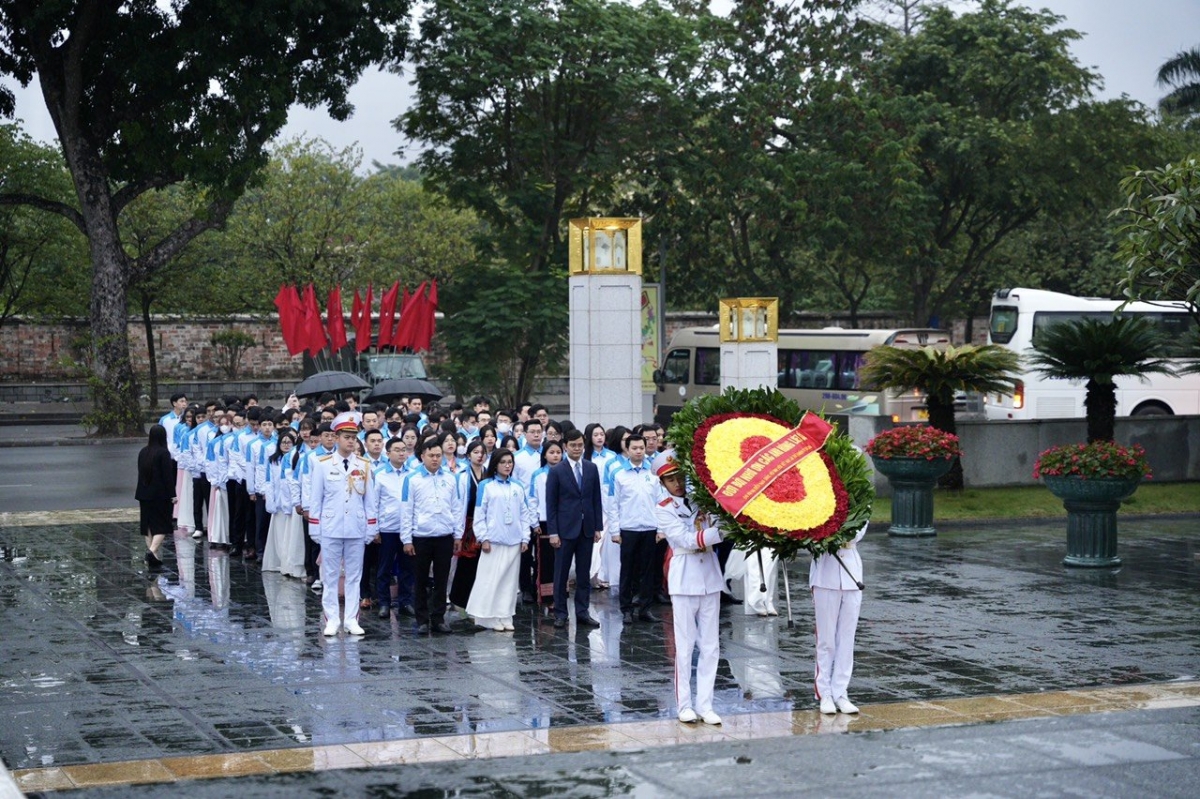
331, 382
387, 390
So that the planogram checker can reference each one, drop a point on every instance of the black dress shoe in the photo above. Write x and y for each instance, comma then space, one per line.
527, 597
441, 627
646, 615
385, 612
423, 629
559, 623
408, 610
729, 599
587, 621
627, 618
663, 598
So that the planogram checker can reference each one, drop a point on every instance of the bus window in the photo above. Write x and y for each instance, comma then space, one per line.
789, 369
1004, 323
675, 368
1177, 331
848, 366
708, 366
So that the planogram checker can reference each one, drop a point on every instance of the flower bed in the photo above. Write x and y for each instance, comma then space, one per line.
920, 441
1098, 460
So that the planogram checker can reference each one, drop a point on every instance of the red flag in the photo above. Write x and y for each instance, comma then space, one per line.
287, 301
356, 311
362, 328
423, 339
387, 314
409, 313
313, 331
335, 321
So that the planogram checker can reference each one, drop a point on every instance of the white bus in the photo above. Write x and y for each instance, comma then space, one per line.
817, 368
1019, 314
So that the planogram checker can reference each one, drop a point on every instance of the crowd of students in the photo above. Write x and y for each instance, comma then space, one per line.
243, 470
469, 508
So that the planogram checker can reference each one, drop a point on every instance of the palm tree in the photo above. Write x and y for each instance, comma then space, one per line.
940, 374
1098, 351
1182, 74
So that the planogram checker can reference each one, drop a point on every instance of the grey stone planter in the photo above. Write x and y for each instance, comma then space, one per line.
1092, 507
913, 481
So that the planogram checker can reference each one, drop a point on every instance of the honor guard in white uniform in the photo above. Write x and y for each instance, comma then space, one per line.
837, 600
342, 502
695, 581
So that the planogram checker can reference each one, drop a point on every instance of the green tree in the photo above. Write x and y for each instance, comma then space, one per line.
531, 112
1099, 351
939, 374
1160, 234
1007, 132
145, 95
37, 250
1181, 74
314, 218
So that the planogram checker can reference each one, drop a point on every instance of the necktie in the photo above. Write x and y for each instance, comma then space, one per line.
346, 464
578, 474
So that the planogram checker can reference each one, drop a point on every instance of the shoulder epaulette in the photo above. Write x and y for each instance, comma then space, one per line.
666, 503
324, 457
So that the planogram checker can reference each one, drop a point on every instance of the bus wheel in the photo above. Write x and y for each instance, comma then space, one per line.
1152, 409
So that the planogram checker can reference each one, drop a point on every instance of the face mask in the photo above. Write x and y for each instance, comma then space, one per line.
469, 429
225, 428
461, 450
395, 426
503, 429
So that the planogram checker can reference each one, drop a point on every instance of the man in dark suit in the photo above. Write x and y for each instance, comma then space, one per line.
574, 520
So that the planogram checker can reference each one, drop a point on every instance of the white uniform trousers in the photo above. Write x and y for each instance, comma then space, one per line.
837, 619
184, 490
696, 617
756, 602
340, 555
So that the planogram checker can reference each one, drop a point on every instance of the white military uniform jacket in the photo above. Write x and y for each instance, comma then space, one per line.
342, 498
826, 573
694, 568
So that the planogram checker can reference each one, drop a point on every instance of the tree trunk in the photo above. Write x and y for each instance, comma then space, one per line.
941, 417
1101, 403
114, 390
148, 325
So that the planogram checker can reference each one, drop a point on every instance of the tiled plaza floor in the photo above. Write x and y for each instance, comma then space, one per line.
112, 674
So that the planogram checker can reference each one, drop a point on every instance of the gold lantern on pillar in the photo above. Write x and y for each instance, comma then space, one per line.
750, 319
605, 245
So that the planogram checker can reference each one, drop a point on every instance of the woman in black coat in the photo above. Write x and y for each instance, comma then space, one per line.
155, 492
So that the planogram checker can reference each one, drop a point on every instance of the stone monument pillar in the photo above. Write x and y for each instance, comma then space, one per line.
605, 328
749, 342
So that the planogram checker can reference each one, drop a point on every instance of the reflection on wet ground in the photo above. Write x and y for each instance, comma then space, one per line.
106, 664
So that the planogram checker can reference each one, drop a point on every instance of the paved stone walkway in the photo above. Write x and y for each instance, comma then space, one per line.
110, 674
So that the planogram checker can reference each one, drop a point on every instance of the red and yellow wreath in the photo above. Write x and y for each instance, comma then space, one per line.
777, 477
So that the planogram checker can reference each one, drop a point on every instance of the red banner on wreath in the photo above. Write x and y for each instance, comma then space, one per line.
771, 462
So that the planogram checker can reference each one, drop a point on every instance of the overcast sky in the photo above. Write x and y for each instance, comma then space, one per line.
1124, 40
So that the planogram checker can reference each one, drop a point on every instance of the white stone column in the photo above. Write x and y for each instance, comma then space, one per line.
606, 348
749, 364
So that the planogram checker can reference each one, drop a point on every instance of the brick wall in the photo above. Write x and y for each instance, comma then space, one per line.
32, 350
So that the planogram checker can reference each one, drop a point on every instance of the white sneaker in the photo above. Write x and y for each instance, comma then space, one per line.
507, 627
844, 705
331, 628
354, 628
197, 535
708, 717
317, 587
828, 707
688, 716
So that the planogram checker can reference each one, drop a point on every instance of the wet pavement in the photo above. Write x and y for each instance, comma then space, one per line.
211, 667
